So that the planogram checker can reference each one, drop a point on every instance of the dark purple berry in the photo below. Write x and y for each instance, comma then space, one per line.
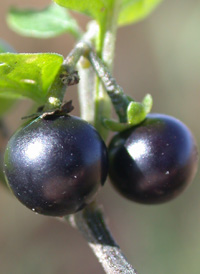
56, 166
154, 161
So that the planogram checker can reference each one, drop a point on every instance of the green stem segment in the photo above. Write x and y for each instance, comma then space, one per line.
63, 79
72, 59
119, 99
56, 94
105, 48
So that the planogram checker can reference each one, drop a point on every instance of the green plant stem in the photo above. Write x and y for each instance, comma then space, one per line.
72, 59
59, 86
90, 222
56, 94
86, 87
109, 37
106, 53
119, 100
86, 94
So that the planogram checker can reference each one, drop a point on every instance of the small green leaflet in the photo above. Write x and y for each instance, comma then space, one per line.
136, 113
49, 22
135, 10
28, 75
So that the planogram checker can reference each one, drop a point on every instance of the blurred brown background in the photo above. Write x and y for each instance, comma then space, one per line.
161, 56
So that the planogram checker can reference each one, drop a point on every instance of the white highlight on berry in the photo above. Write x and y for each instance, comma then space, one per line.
34, 150
138, 149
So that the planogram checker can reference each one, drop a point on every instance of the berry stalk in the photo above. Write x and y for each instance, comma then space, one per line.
90, 222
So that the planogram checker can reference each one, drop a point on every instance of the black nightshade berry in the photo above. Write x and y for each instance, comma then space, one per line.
154, 161
56, 165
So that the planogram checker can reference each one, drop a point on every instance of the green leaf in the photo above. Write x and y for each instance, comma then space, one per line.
28, 75
93, 8
147, 103
135, 10
135, 113
46, 23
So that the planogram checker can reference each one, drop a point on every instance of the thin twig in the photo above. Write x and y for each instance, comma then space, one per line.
91, 224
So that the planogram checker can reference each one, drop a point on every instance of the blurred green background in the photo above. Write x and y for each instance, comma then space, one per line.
161, 56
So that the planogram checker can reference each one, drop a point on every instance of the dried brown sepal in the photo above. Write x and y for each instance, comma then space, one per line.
65, 109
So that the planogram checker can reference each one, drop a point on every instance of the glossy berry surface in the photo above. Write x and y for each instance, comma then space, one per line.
55, 166
153, 162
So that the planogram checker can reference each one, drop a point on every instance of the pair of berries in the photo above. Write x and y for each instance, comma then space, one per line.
55, 165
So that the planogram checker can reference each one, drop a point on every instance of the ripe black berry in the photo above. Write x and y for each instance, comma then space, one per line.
55, 166
153, 162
